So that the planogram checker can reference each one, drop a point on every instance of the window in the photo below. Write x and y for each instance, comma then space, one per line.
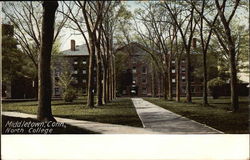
183, 69
173, 80
84, 62
144, 80
183, 78
84, 71
56, 81
134, 70
75, 71
173, 61
144, 70
133, 82
75, 62
84, 81
84, 90
144, 91
173, 70
57, 91
124, 92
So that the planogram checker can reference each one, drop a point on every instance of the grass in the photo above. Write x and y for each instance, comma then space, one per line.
68, 129
120, 111
216, 115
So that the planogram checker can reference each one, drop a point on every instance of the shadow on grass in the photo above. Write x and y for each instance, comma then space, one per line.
67, 129
111, 119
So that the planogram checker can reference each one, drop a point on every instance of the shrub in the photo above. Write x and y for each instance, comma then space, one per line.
215, 85
69, 95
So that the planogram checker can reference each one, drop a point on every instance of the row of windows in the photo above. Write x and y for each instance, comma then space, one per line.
83, 71
83, 62
183, 61
182, 69
183, 79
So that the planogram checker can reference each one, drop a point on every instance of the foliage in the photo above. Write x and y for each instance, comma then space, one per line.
215, 85
69, 94
14, 62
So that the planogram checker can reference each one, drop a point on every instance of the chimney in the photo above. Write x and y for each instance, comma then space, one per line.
73, 45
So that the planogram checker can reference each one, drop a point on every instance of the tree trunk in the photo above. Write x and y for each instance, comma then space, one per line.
36, 87
45, 89
104, 90
99, 74
233, 84
205, 102
111, 79
160, 85
114, 79
90, 98
99, 82
170, 97
188, 75
107, 84
178, 80
153, 82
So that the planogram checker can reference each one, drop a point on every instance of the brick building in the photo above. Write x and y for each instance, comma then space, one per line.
75, 61
137, 68
145, 79
137, 77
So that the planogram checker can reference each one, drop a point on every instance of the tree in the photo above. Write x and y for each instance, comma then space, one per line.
225, 37
26, 17
205, 40
44, 106
187, 41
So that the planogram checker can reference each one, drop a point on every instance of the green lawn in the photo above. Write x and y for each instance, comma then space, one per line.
120, 111
217, 115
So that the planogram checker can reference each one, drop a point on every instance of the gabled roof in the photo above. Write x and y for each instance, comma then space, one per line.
81, 50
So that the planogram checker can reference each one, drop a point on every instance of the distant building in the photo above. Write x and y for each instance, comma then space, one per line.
136, 77
76, 59
145, 80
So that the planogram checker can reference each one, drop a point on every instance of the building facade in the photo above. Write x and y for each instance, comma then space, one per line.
147, 81
75, 62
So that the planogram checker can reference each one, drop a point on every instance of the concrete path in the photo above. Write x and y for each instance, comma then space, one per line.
103, 128
161, 120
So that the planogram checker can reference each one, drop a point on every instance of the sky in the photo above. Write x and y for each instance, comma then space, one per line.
68, 35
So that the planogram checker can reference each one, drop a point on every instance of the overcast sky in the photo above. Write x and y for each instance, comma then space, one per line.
68, 35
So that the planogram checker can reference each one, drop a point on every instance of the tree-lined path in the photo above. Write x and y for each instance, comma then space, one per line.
162, 120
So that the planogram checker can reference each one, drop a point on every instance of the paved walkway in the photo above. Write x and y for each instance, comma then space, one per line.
161, 120
103, 128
